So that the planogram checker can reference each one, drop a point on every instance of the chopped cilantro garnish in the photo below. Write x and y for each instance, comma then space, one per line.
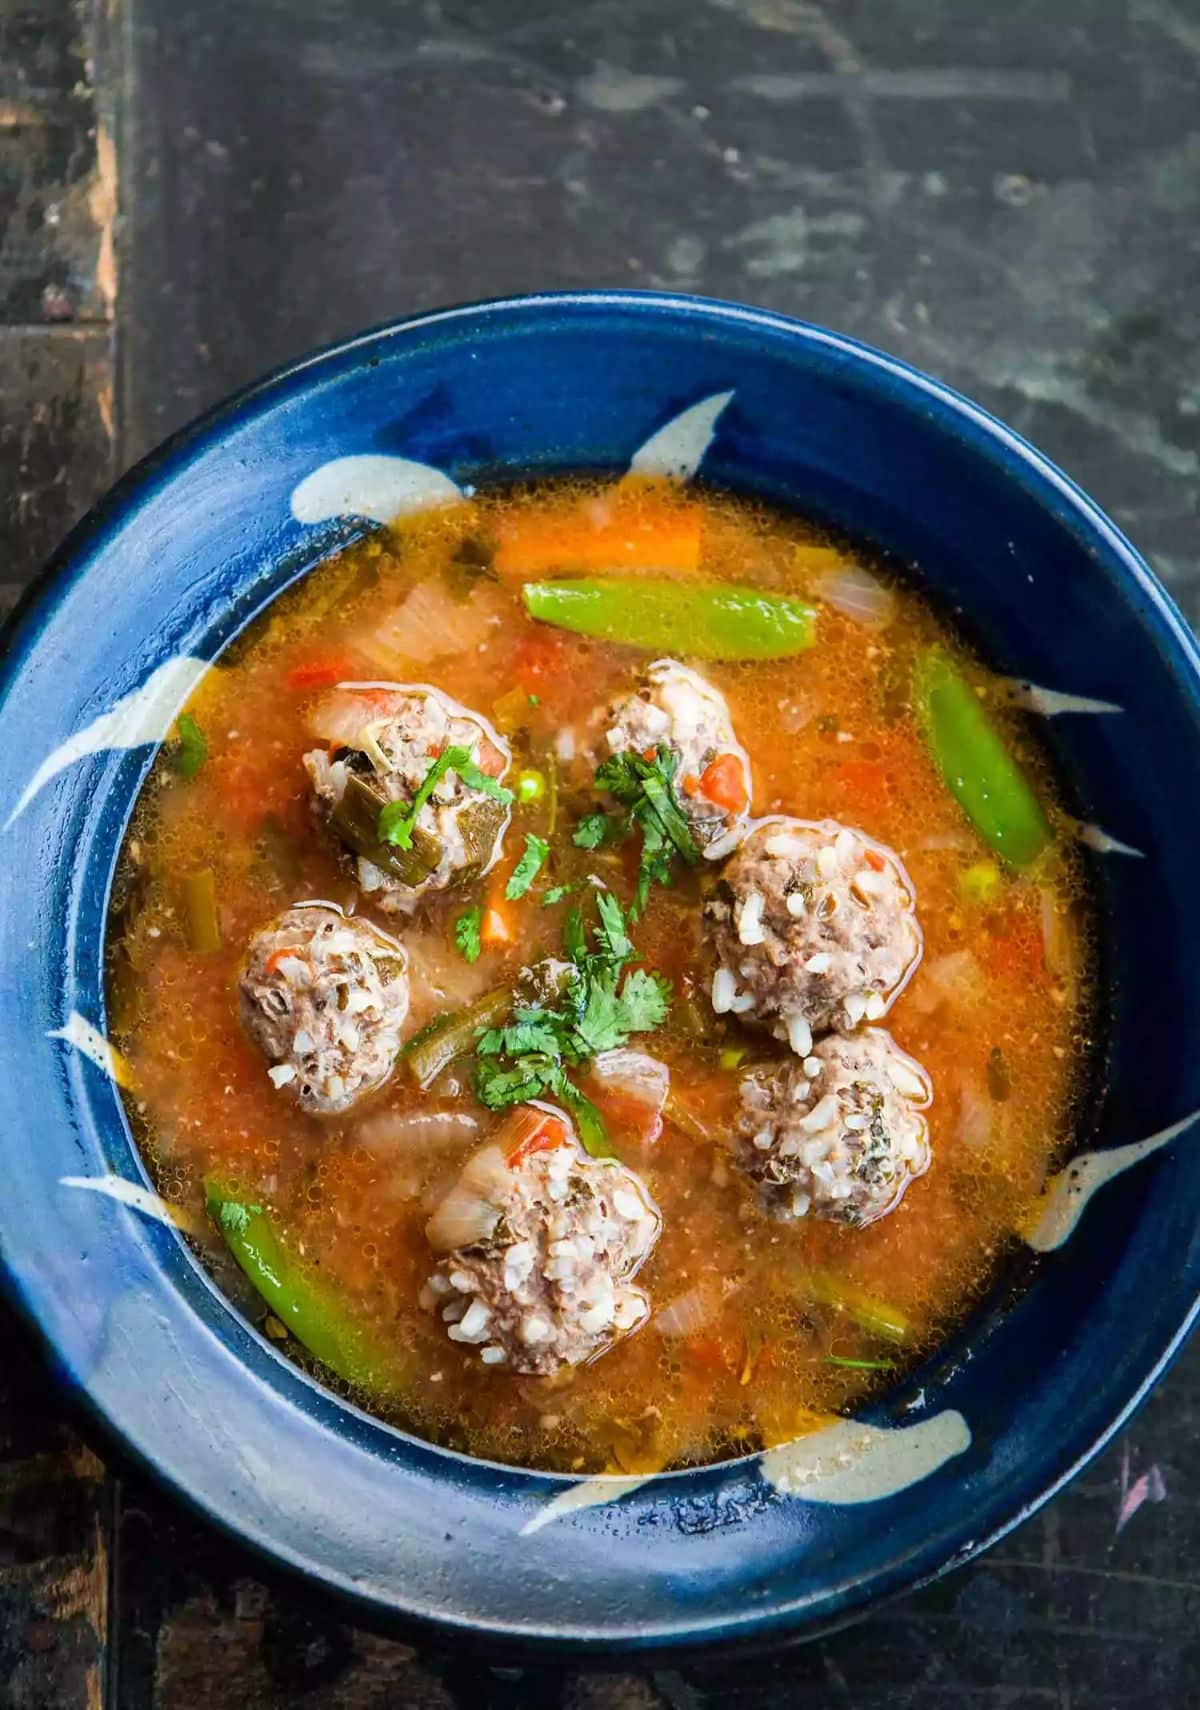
193, 749
466, 933
599, 1008
555, 894
535, 700
595, 829
397, 820
612, 940
528, 867
645, 1001
645, 790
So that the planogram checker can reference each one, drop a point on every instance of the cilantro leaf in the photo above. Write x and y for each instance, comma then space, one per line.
555, 894
593, 1133
574, 942
612, 940
397, 821
645, 1001
528, 867
591, 1011
645, 789
475, 778
193, 749
498, 1087
599, 1027
661, 803
595, 829
466, 933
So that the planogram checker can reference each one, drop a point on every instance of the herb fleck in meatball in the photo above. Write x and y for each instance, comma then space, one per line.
324, 995
677, 710
814, 929
382, 742
538, 1244
840, 1134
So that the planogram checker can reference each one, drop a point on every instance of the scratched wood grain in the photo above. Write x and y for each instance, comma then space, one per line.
56, 456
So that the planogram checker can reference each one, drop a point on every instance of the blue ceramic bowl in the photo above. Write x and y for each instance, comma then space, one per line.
175, 563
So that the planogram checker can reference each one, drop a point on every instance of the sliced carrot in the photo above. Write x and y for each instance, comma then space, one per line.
723, 783
642, 529
319, 674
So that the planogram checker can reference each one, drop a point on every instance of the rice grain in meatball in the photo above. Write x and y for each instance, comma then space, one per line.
678, 710
814, 929
538, 1245
324, 995
381, 740
841, 1134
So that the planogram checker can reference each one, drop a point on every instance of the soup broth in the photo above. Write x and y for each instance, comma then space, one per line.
769, 1304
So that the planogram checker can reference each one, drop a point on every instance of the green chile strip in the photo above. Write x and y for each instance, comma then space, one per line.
876, 1317
356, 821
312, 1311
449, 1037
707, 620
976, 767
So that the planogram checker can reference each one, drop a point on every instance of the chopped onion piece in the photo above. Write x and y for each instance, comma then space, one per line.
858, 595
408, 1129
686, 1314
471, 1210
635, 1075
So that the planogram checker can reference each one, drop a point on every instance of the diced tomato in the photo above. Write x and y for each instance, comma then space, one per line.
874, 860
630, 1117
491, 760
319, 674
546, 1133
723, 783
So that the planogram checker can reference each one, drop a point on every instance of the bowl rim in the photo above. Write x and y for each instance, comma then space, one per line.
988, 438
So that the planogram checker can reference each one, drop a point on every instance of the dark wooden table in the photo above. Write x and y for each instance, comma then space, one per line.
1008, 195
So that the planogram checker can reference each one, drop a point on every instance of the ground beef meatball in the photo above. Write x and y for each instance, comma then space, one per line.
814, 929
677, 709
840, 1134
381, 740
324, 995
538, 1243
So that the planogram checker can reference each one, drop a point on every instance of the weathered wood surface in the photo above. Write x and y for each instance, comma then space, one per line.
1006, 195
56, 456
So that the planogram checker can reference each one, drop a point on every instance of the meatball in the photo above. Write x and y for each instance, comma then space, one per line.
324, 995
676, 709
381, 742
814, 929
538, 1244
840, 1134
